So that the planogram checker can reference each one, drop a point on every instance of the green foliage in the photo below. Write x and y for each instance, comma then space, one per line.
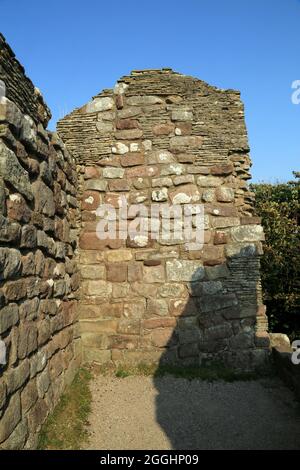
65, 428
279, 206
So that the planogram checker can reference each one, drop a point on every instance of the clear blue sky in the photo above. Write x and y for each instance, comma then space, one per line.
73, 49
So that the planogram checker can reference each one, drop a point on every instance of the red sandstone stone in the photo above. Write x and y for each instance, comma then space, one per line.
91, 172
220, 238
90, 200
132, 159
127, 124
90, 241
135, 272
118, 185
163, 129
222, 169
142, 171
117, 272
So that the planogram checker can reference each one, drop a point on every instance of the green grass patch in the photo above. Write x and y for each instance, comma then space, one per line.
209, 373
65, 428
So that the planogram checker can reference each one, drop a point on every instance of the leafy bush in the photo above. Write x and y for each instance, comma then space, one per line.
279, 207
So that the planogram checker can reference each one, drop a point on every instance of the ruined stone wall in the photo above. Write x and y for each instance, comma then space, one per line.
39, 352
164, 137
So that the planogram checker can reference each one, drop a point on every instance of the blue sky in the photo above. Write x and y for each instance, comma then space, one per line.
73, 49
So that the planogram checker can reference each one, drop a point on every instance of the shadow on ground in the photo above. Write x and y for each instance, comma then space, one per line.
197, 414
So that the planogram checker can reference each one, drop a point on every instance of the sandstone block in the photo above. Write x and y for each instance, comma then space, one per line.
184, 270
209, 181
90, 271
120, 148
11, 417
12, 172
153, 274
133, 159
97, 288
160, 156
182, 115
99, 104
157, 307
117, 272
183, 142
162, 338
122, 124
224, 194
96, 185
129, 134
247, 233
186, 194
163, 129
113, 172
144, 100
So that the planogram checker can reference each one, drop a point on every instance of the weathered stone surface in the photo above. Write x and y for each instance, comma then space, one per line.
153, 274
117, 272
224, 194
90, 200
96, 185
18, 376
17, 208
18, 437
11, 417
120, 148
160, 182
133, 159
160, 156
157, 307
182, 115
100, 104
184, 179
160, 195
145, 100
208, 181
185, 194
10, 263
247, 233
172, 169
242, 250
10, 113
184, 270
13, 173
43, 198
9, 316
104, 127
216, 272
113, 172
98, 288
163, 129
129, 112
180, 142
129, 134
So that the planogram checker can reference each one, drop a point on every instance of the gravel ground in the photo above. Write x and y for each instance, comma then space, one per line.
174, 413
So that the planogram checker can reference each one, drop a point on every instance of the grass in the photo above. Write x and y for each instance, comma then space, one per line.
209, 373
65, 428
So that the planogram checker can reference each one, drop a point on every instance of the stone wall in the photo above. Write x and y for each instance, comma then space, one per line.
162, 137
39, 352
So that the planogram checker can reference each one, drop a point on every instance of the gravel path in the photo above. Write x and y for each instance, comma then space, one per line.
172, 413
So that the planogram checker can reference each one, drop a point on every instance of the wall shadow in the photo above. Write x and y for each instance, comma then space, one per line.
200, 414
